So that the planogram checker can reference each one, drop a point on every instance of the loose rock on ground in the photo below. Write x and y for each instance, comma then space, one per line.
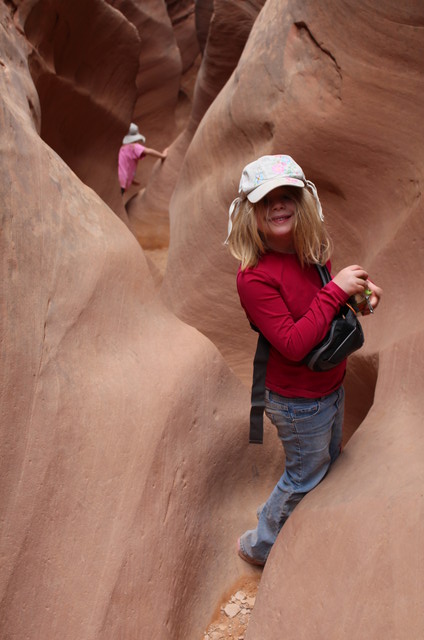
234, 614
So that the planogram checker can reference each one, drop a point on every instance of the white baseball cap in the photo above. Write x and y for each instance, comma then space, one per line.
265, 174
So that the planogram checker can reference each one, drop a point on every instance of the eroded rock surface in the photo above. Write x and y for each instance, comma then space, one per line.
85, 86
120, 496
227, 32
99, 65
125, 473
331, 88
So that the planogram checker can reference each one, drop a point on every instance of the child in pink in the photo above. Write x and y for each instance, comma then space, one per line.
130, 153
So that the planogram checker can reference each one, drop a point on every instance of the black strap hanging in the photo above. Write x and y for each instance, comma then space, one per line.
256, 434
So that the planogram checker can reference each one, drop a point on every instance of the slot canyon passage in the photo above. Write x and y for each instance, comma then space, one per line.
126, 475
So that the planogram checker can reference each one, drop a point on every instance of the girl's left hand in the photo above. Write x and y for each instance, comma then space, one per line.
377, 292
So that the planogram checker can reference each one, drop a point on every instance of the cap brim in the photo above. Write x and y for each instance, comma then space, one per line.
267, 186
136, 138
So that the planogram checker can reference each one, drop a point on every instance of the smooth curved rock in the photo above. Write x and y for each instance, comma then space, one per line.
159, 73
85, 86
353, 548
90, 91
340, 90
125, 472
229, 29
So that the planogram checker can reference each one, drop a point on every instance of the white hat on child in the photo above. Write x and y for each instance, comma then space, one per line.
265, 174
133, 135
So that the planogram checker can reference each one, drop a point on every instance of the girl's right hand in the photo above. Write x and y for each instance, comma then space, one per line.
351, 279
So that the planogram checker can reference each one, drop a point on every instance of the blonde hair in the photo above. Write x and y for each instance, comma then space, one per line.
311, 240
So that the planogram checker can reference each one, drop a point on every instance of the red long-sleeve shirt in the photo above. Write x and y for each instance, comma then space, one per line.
292, 309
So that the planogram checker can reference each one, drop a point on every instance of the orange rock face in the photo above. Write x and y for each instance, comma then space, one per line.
340, 90
120, 500
227, 32
125, 474
85, 86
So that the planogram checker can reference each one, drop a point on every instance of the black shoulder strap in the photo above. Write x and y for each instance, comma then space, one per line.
256, 434
324, 273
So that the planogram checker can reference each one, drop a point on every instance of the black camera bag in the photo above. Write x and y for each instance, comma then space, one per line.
344, 337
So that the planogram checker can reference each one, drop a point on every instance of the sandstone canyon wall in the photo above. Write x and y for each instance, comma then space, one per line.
125, 474
86, 87
223, 34
120, 498
340, 87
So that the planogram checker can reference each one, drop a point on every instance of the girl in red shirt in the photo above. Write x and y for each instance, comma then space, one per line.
277, 232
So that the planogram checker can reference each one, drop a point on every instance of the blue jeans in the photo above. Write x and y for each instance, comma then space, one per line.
311, 434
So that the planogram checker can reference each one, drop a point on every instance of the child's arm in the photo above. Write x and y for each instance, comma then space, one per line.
156, 154
266, 309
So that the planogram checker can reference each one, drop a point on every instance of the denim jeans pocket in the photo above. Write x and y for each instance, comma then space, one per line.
290, 409
275, 405
305, 411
